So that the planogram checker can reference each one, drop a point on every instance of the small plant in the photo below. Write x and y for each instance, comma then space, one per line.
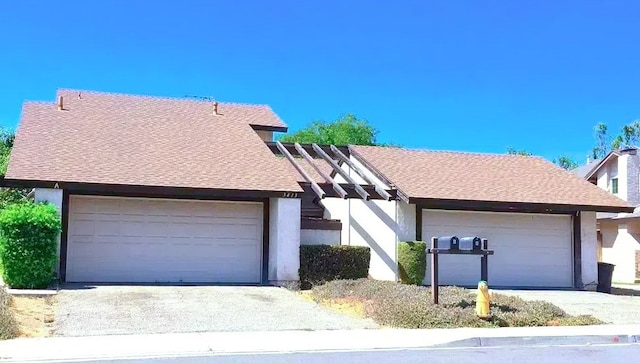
412, 262
8, 324
322, 263
28, 244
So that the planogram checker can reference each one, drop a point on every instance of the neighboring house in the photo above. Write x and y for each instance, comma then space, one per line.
618, 233
170, 190
540, 238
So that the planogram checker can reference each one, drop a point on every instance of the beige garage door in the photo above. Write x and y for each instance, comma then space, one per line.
156, 240
531, 250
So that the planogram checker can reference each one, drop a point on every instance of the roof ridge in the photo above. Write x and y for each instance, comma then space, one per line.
183, 99
449, 151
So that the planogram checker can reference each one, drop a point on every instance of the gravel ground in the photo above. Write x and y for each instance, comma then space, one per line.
104, 310
623, 308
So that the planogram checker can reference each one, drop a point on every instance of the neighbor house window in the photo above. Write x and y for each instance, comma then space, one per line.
614, 185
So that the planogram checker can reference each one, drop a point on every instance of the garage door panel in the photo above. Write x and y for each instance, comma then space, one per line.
144, 240
530, 249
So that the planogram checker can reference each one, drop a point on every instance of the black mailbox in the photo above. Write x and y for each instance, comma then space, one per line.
452, 242
474, 243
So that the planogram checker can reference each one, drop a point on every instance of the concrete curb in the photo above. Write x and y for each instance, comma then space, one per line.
540, 341
50, 291
264, 342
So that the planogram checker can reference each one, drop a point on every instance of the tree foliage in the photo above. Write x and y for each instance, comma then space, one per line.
566, 162
514, 151
628, 136
8, 195
347, 130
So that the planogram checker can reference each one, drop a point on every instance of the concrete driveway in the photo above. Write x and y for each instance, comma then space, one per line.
620, 307
103, 310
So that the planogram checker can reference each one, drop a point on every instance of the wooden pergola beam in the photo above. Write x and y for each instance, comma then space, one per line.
383, 193
363, 193
314, 186
341, 192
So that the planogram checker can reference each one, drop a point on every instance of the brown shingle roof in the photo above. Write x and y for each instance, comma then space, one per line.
483, 177
151, 141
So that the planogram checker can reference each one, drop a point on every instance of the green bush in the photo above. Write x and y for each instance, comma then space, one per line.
322, 263
412, 262
28, 244
8, 324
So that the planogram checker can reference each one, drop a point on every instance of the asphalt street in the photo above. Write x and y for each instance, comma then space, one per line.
533, 354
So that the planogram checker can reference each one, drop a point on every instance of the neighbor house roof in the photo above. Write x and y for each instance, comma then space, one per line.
583, 170
428, 175
150, 141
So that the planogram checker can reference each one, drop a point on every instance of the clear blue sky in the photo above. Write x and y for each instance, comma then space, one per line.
455, 75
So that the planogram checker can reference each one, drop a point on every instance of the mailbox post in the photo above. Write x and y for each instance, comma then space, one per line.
479, 247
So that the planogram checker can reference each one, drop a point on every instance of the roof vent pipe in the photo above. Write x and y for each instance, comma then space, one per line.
60, 104
215, 108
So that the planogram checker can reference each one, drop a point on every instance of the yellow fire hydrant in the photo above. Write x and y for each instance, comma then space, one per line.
482, 301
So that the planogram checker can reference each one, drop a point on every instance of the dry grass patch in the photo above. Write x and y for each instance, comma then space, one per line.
409, 306
348, 306
34, 315
8, 324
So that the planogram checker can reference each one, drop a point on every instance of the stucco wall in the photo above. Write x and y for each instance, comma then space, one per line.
336, 208
603, 178
618, 247
53, 196
320, 237
284, 240
369, 223
589, 250
373, 224
406, 221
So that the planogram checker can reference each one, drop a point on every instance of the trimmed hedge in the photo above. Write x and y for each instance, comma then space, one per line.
412, 262
322, 263
28, 244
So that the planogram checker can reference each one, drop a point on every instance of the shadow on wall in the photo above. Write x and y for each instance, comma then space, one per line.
382, 215
371, 242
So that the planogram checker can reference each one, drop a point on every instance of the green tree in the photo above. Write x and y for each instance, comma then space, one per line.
566, 162
8, 195
347, 130
601, 149
513, 151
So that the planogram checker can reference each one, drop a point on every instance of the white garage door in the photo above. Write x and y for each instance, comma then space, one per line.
531, 250
158, 240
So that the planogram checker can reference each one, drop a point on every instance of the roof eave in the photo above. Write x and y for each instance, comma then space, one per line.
602, 162
150, 190
505, 206
269, 128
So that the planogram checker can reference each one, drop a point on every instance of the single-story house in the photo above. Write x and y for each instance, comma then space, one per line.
157, 189
618, 233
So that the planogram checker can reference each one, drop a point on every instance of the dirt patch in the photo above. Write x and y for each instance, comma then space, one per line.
35, 315
348, 306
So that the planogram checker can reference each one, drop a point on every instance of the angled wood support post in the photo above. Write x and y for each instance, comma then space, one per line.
314, 186
341, 192
339, 170
380, 190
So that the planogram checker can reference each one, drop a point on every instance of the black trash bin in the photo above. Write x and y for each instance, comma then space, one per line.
605, 274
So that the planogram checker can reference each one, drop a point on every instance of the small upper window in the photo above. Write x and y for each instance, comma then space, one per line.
614, 185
